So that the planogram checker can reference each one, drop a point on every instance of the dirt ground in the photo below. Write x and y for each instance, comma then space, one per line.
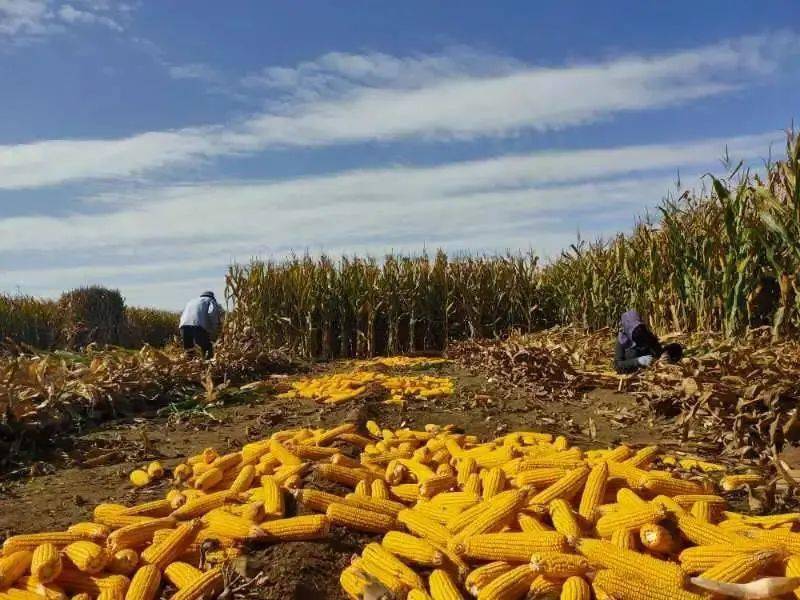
61, 492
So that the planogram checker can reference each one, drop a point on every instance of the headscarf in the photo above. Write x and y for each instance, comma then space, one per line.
207, 295
627, 323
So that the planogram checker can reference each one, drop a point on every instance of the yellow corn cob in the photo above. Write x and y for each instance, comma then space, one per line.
412, 548
593, 492
702, 533
379, 489
172, 546
313, 452
209, 479
416, 594
355, 439
576, 588
670, 486
154, 508
494, 482
460, 520
139, 478
629, 499
423, 526
436, 485
643, 457
362, 488
138, 534
315, 499
344, 475
123, 562
354, 582
473, 484
440, 514
669, 504
375, 554
697, 559
605, 554
197, 507
87, 556
47, 590
182, 472
29, 541
625, 539
155, 470
252, 511
375, 572
496, 513
181, 574
14, 565
508, 586
539, 478
558, 565
373, 428
793, 570
465, 467
284, 475
92, 531
544, 587
209, 584
530, 524
388, 507
772, 521
75, 581
419, 471
405, 492
561, 443
360, 519
510, 547
336, 433
567, 487
622, 585
629, 519
221, 522
485, 574
228, 461
687, 500
703, 511
305, 527
657, 538
564, 519
19, 594
46, 563
283, 454
144, 584
443, 587
730, 483
742, 567
633, 476
274, 506
244, 479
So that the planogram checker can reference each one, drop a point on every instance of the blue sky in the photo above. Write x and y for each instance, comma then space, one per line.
145, 145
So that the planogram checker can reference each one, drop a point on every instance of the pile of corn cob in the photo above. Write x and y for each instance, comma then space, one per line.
403, 362
341, 387
525, 515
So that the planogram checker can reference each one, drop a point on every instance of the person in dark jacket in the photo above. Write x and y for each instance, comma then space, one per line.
199, 322
638, 347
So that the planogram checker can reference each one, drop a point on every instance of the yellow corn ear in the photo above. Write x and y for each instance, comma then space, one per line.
46, 563
13, 566
412, 548
362, 488
627, 562
593, 492
305, 527
314, 499
703, 511
50, 591
209, 584
375, 554
283, 454
173, 545
209, 479
199, 506
576, 588
629, 499
643, 457
436, 485
567, 487
730, 483
480, 577
244, 479
629, 519
657, 538
29, 541
379, 489
360, 519
139, 478
123, 562
144, 583
182, 472
274, 505
92, 531
473, 484
510, 547
155, 470
138, 534
181, 574
442, 586
87, 556
497, 513
345, 475
512, 584
423, 526
530, 524
702, 533
494, 482
622, 585
354, 582
223, 523
405, 492
564, 519
558, 565
742, 567
625, 539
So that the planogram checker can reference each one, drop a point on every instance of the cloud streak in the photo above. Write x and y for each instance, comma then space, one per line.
347, 98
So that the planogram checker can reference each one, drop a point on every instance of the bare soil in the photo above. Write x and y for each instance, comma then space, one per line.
61, 489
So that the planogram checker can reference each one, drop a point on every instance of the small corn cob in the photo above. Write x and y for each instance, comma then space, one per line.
375, 572
87, 556
629, 519
405, 492
576, 588
538, 478
359, 518
669, 504
730, 483
564, 519
697, 559
558, 564
92, 531
144, 584
284, 475
313, 452
344, 475
423, 526
354, 582
182, 472
629, 499
621, 585
657, 538
379, 489
14, 565
274, 505
494, 482
244, 479
625, 539
46, 563
443, 587
508, 586
29, 541
221, 522
181, 574
436, 485
605, 554
283, 454
209, 584
702, 533
530, 524
389, 507
197, 507
123, 562
375, 554
172, 546
47, 590
544, 587
496, 514
139, 478
362, 488
670, 486
336, 433
314, 499
138, 534
567, 487
742, 567
413, 549
593, 492
485, 574
473, 484
643, 457
510, 547
209, 479
155, 470
306, 527
73, 580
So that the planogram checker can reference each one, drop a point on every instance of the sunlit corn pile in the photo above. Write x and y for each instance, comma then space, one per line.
523, 516
403, 362
341, 387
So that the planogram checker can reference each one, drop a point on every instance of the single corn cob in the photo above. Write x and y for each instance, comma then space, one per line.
473, 485
443, 587
49, 591
564, 519
154, 508
697, 559
379, 489
496, 514
139, 478
305, 527
703, 511
413, 549
423, 526
244, 479
530, 524
436, 485
344, 475
508, 586
670, 486
730, 483
354, 582
87, 556
29, 541
223, 523
92, 531
559, 565
643, 457
494, 482
314, 499
46, 563
75, 581
123, 562
172, 546
155, 470
510, 547
668, 504
283, 454
702, 533
284, 475
593, 492
621, 585
274, 505
420, 472
485, 574
567, 487
313, 452
465, 467
182, 472
14, 565
657, 538
138, 534
252, 511
742, 567
625, 539
209, 584
360, 519
181, 574
605, 554
576, 588
199, 506
405, 492
375, 554
375, 572
544, 587
144, 584
362, 488
336, 433
209, 479
455, 501
388, 507
228, 461
373, 428
629, 519
629, 499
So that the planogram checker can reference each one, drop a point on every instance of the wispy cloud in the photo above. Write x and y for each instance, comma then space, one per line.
72, 15
22, 21
346, 98
200, 71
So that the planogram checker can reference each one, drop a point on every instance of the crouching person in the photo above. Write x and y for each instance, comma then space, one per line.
199, 323
637, 347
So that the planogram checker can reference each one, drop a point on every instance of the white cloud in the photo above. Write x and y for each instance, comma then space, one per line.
199, 71
24, 20
72, 15
344, 98
510, 202
23, 17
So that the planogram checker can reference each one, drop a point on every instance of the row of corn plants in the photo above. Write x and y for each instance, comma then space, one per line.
726, 258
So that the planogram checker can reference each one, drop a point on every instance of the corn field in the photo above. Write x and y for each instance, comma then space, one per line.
722, 260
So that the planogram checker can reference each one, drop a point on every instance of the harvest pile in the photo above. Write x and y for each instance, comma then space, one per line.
525, 515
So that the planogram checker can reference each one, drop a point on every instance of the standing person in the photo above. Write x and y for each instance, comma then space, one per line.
638, 347
199, 322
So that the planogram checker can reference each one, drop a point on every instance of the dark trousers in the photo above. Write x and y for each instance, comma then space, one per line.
193, 335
